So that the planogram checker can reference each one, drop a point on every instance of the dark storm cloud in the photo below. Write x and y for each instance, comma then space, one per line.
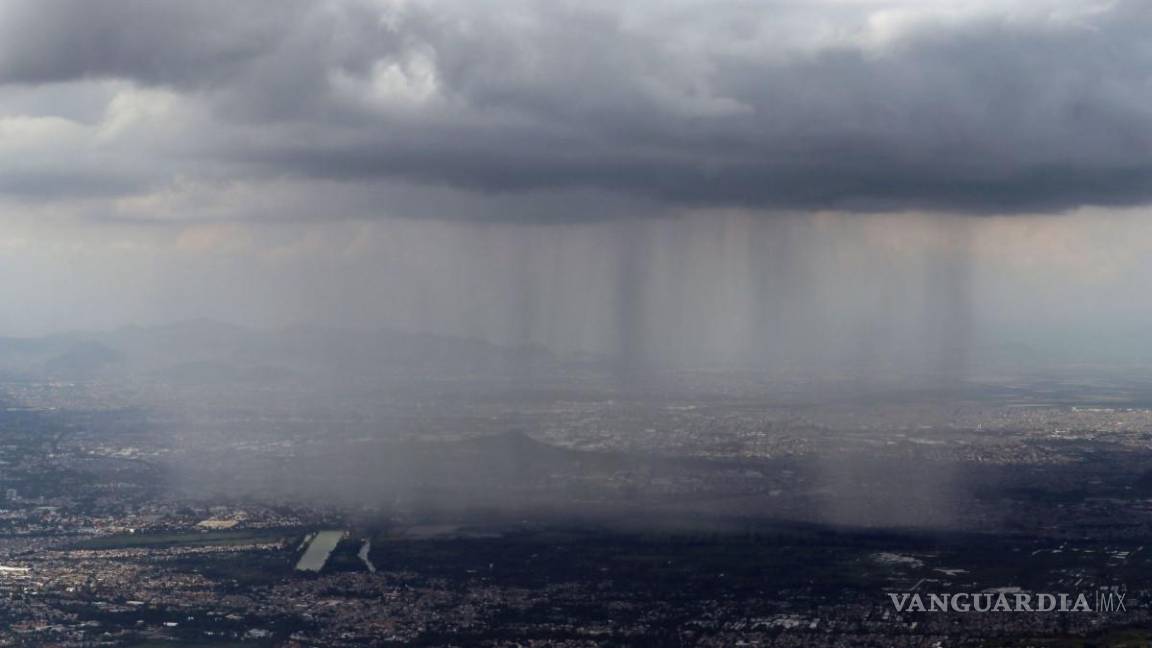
169, 43
1009, 107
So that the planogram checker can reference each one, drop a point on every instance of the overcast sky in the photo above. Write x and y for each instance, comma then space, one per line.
518, 169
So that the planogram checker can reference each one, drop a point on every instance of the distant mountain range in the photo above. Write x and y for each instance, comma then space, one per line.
208, 351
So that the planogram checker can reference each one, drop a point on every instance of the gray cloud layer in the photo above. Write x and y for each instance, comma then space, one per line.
863, 106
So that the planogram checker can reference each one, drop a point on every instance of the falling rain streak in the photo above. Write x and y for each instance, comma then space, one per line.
723, 289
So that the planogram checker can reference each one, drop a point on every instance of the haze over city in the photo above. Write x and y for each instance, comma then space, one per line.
558, 323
